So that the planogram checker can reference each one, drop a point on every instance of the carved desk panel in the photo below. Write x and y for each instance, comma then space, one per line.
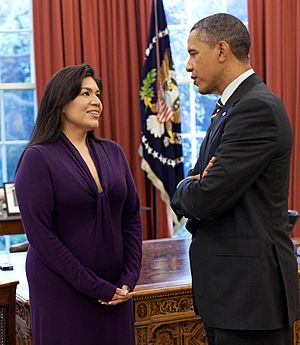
163, 305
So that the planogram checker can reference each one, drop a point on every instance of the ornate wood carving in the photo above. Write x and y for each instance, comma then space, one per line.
165, 334
297, 333
141, 335
142, 311
170, 306
193, 333
23, 321
166, 317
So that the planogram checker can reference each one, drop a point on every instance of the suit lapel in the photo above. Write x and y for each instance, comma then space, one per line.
203, 150
225, 111
242, 89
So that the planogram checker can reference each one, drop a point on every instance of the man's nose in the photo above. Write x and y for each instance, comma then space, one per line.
189, 67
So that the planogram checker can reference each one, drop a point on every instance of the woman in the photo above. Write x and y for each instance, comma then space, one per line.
80, 210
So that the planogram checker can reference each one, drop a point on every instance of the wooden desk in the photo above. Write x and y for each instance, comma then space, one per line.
163, 306
11, 225
163, 303
7, 313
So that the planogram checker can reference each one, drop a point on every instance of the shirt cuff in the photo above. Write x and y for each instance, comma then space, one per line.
188, 177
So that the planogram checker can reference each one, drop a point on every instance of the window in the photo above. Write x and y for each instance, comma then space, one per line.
195, 108
17, 88
17, 78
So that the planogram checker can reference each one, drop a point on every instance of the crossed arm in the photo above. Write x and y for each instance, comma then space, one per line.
240, 158
206, 170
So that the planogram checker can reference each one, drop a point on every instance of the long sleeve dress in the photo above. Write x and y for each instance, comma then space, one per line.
83, 244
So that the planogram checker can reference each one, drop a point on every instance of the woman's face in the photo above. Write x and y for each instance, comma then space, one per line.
83, 112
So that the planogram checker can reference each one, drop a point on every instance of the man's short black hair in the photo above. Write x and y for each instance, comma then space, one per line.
225, 27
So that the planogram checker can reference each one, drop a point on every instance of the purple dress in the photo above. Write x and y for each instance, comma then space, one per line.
83, 244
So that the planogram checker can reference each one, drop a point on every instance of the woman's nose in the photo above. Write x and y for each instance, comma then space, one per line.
96, 100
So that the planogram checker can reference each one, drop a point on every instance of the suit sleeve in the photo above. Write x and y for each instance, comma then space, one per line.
196, 169
132, 232
247, 145
35, 194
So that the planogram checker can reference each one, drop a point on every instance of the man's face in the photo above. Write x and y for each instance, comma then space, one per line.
203, 63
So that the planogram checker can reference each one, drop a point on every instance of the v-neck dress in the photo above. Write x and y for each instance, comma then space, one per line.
83, 244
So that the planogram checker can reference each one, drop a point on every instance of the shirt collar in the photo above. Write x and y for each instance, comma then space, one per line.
229, 90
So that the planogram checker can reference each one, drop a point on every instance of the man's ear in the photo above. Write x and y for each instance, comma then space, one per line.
223, 50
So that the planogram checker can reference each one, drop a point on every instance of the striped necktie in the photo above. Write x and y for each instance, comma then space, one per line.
218, 107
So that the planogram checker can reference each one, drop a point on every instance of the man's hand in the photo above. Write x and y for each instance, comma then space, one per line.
196, 177
209, 166
206, 170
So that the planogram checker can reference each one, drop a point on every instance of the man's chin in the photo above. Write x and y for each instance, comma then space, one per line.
202, 91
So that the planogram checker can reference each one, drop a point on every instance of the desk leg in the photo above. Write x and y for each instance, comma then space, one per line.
23, 324
297, 333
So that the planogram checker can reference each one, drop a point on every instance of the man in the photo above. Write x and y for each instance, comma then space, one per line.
244, 272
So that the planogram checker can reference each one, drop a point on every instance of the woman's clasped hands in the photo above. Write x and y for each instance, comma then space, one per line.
120, 296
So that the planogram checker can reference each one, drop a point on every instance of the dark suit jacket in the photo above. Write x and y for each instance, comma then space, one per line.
244, 271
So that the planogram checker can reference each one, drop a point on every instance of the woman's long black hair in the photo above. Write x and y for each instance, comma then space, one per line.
62, 88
